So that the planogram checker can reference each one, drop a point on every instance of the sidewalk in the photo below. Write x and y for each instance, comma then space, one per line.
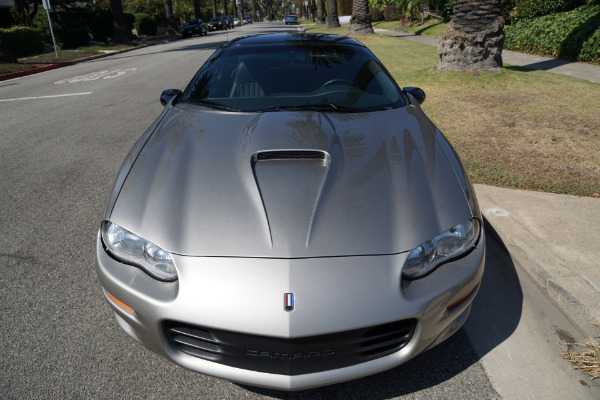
588, 72
556, 240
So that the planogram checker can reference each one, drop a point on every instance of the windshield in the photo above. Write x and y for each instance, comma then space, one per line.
294, 76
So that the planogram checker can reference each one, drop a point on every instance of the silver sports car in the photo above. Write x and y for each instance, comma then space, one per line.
292, 219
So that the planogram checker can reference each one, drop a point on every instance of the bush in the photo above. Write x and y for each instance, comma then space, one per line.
144, 24
100, 24
376, 14
573, 35
72, 37
446, 9
70, 27
129, 19
390, 13
535, 8
23, 41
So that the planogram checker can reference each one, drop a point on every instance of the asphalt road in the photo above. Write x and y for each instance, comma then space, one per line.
63, 135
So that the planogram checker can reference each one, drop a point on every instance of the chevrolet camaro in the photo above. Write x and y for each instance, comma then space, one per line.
292, 219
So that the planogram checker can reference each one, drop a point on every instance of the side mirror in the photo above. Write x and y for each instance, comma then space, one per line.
169, 94
417, 93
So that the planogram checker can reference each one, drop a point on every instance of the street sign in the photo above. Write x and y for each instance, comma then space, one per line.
46, 4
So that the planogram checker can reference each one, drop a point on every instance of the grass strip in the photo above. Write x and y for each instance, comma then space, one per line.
518, 128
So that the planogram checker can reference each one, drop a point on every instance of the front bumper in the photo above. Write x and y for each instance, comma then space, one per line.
244, 297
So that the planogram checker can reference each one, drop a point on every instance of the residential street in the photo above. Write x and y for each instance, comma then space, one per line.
64, 134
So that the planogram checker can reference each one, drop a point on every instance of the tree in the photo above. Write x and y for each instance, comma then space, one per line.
474, 37
320, 16
121, 31
360, 21
332, 15
214, 8
346, 7
26, 14
197, 11
172, 24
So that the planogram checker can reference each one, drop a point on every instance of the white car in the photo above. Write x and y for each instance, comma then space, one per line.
237, 22
291, 233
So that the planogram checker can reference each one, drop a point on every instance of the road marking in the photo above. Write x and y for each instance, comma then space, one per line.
48, 97
94, 76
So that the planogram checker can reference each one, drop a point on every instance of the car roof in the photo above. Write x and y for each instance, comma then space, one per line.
274, 38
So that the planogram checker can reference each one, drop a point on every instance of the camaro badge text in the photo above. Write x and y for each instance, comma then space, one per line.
288, 301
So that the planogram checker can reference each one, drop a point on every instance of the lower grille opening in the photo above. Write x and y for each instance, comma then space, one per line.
290, 356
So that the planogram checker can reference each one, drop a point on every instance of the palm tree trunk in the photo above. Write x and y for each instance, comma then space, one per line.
225, 7
197, 11
360, 22
332, 15
474, 37
320, 17
214, 7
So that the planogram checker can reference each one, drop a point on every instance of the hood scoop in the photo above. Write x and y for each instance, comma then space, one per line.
290, 183
291, 155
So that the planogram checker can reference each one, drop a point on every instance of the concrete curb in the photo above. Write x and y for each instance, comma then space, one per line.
33, 71
524, 233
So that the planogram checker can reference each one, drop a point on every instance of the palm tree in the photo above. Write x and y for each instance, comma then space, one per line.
332, 15
360, 22
197, 10
474, 37
320, 7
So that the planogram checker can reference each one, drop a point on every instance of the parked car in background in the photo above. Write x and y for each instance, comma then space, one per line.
237, 22
217, 24
292, 219
228, 19
194, 27
291, 19
247, 19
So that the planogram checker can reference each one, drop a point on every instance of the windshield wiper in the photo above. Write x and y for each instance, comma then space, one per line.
212, 104
312, 107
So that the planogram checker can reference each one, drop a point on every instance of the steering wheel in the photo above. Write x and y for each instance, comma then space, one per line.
336, 81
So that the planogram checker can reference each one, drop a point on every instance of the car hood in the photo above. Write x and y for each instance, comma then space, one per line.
383, 187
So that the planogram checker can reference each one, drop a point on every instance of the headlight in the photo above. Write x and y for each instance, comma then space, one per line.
132, 249
451, 244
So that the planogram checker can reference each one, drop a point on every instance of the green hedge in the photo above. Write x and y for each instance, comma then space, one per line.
572, 35
23, 41
536, 8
